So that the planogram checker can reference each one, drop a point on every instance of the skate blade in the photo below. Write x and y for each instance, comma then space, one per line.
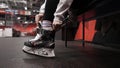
45, 52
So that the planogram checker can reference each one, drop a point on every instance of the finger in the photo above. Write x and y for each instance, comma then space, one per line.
56, 27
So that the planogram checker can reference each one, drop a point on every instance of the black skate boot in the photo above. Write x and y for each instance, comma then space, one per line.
46, 40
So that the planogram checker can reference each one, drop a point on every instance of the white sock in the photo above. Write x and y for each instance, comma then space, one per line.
47, 25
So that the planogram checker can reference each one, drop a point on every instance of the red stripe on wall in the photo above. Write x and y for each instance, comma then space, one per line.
89, 30
24, 28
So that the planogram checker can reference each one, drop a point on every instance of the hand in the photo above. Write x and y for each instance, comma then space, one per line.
38, 18
57, 25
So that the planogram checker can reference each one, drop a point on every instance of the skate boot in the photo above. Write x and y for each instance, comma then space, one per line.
44, 47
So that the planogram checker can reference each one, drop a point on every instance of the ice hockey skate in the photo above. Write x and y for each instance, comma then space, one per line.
43, 47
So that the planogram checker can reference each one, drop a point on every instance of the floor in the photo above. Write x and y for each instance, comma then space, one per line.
74, 56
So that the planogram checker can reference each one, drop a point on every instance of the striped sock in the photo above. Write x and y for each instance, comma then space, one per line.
47, 25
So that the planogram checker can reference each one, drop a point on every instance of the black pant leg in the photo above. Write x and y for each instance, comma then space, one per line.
50, 9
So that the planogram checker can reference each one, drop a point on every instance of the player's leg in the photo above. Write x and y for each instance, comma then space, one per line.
46, 42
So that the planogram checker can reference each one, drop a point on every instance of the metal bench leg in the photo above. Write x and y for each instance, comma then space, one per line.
66, 35
83, 30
